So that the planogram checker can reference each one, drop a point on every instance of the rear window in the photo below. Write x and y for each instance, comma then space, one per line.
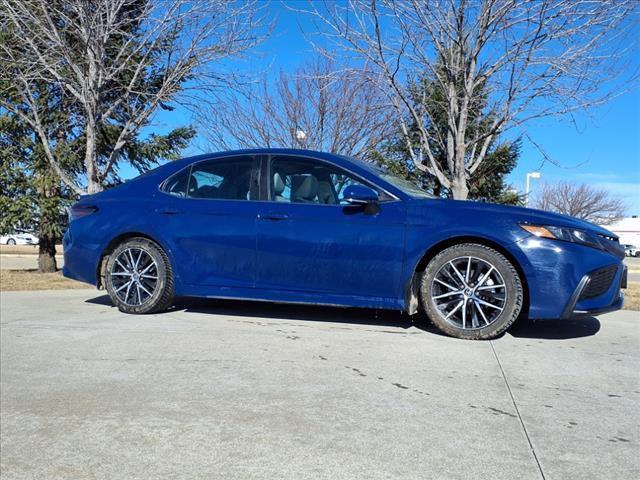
222, 180
178, 184
228, 179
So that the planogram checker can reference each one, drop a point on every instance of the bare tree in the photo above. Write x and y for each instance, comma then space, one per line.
533, 58
315, 108
581, 201
119, 60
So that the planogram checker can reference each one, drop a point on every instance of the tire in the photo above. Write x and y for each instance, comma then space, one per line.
11, 241
637, 254
129, 277
470, 305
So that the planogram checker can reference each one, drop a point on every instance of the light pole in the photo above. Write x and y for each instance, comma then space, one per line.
527, 190
301, 137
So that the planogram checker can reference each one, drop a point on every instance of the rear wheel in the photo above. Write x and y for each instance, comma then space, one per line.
471, 291
139, 277
11, 241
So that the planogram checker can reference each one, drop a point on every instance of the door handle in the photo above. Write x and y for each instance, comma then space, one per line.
273, 216
167, 211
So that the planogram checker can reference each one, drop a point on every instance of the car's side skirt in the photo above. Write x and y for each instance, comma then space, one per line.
295, 297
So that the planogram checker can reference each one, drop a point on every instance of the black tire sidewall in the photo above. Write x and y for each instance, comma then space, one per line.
511, 278
159, 295
11, 241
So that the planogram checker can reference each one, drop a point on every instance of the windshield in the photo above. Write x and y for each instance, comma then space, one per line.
400, 183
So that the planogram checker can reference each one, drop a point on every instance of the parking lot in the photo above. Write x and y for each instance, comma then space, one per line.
246, 390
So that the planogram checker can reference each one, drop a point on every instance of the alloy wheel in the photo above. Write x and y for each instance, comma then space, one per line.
134, 276
469, 292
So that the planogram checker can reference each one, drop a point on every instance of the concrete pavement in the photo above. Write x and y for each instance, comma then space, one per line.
247, 390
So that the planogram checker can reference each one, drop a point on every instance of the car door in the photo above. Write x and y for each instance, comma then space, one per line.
309, 240
210, 215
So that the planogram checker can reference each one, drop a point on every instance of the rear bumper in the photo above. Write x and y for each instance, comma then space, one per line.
80, 261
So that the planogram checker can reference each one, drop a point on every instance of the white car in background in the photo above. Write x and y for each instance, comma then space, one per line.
19, 237
631, 251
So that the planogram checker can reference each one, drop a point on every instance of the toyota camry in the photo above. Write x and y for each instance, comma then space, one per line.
309, 227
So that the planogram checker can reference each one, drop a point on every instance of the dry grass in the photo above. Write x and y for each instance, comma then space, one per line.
632, 296
24, 249
11, 280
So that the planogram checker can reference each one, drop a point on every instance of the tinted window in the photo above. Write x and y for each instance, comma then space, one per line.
401, 183
177, 185
222, 179
306, 181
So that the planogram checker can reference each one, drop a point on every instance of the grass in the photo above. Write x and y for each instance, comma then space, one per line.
12, 280
632, 296
24, 249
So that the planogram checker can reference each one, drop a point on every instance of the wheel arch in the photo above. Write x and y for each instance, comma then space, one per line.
412, 290
113, 244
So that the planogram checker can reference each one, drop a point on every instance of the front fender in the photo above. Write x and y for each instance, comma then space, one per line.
425, 241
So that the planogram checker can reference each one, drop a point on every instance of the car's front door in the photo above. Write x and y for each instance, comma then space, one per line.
310, 240
210, 212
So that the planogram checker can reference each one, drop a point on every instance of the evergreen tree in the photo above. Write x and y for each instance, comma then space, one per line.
32, 194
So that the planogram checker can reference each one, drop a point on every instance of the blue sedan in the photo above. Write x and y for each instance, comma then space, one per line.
317, 228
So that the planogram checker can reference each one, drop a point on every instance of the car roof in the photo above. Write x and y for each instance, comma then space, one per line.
175, 165
268, 151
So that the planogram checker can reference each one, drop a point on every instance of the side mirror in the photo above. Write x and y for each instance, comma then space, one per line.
360, 195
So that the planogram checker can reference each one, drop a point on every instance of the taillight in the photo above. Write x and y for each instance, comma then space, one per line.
79, 211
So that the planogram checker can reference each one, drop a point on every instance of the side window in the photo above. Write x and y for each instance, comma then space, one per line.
177, 185
302, 180
222, 179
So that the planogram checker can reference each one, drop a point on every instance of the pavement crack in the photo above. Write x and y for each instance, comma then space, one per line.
515, 406
501, 412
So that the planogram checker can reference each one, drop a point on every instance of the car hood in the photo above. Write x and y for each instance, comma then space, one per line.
483, 211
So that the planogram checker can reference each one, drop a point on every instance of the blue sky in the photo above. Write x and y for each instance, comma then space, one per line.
604, 149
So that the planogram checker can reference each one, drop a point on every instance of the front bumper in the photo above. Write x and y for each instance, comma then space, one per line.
586, 300
559, 278
617, 305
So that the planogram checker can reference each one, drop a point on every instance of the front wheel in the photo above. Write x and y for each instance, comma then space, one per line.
472, 291
139, 278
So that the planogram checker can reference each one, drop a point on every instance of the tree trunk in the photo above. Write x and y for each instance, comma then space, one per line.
49, 207
91, 108
91, 154
459, 188
47, 254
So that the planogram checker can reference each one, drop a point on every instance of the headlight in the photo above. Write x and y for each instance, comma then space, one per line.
563, 233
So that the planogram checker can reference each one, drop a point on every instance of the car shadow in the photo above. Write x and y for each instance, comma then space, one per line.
523, 328
279, 311
100, 300
283, 311
555, 329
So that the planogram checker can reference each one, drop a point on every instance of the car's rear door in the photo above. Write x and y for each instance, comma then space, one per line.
309, 242
209, 213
